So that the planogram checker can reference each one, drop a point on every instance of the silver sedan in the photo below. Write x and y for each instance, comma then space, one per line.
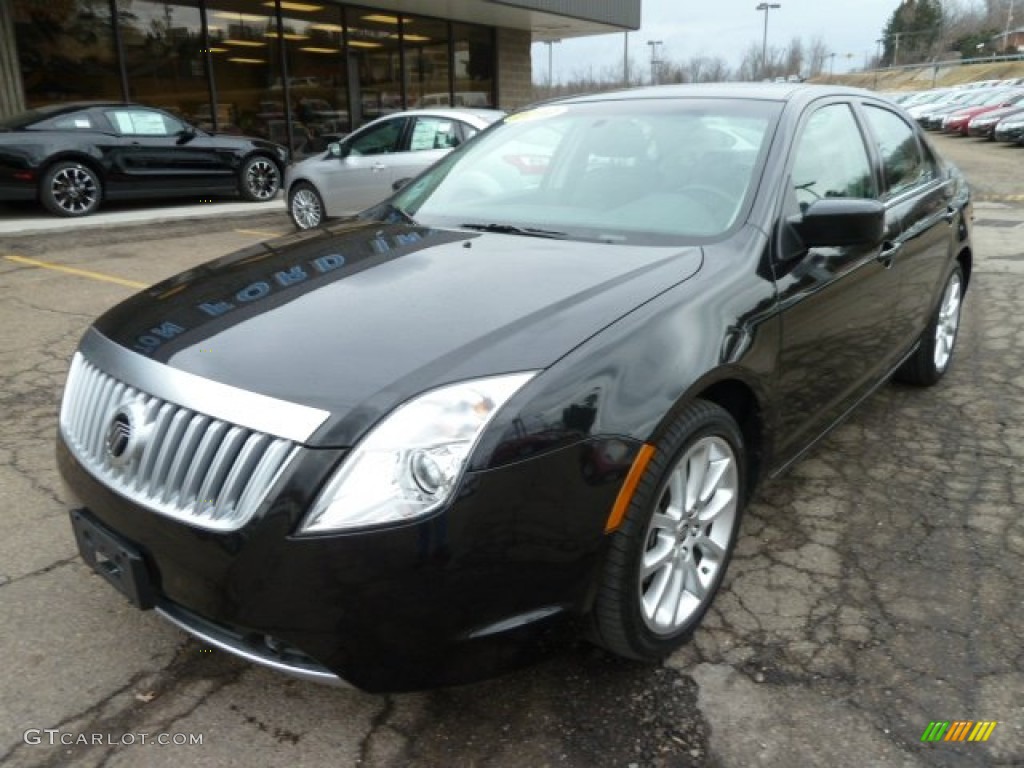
361, 169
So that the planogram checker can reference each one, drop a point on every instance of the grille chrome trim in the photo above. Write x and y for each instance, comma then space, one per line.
260, 413
188, 466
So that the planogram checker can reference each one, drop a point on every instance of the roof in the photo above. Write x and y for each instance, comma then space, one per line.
762, 91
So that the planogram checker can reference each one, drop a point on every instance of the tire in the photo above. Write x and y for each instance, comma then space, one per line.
259, 179
305, 206
684, 545
70, 189
934, 354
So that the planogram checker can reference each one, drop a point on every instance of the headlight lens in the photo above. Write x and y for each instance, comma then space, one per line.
409, 464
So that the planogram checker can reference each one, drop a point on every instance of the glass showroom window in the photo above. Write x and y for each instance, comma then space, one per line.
67, 51
163, 56
249, 88
427, 81
317, 79
375, 51
474, 65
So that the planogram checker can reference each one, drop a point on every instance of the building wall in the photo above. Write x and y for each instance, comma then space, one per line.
11, 98
515, 76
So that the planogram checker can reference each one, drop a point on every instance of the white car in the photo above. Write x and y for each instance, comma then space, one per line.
361, 169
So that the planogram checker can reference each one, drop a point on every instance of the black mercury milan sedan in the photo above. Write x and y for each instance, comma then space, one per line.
72, 157
532, 391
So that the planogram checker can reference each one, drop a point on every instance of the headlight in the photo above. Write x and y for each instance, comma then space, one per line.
410, 463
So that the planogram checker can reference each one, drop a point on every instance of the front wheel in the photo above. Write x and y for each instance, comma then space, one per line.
668, 558
70, 189
305, 206
931, 360
259, 179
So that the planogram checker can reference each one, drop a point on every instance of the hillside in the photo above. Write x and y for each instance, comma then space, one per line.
928, 76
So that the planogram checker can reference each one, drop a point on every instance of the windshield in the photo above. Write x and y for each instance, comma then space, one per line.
630, 171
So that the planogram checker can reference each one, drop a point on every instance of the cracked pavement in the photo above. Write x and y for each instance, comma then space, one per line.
876, 587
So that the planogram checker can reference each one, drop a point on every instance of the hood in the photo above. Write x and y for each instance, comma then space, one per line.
357, 319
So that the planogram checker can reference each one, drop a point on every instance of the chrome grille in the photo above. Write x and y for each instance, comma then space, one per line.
180, 463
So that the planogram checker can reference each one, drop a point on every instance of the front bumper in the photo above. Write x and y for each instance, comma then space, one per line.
1012, 133
474, 590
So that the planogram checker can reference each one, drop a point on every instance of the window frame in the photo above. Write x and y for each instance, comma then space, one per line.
889, 193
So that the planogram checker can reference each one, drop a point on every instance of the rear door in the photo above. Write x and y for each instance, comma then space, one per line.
837, 304
920, 196
429, 139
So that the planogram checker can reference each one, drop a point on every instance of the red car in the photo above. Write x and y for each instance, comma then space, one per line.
959, 120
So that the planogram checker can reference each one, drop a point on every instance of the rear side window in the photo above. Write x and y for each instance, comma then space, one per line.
434, 133
903, 163
73, 121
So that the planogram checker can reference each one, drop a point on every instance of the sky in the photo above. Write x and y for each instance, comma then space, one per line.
724, 28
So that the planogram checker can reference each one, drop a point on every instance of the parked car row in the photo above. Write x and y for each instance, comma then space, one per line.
72, 157
988, 110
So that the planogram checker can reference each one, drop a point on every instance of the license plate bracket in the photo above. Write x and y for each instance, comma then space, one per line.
116, 561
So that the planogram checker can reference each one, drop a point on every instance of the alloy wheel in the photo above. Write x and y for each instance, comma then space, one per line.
948, 322
262, 179
306, 210
688, 537
74, 190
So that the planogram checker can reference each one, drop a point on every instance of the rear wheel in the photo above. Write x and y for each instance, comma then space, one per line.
668, 558
932, 358
305, 206
259, 179
70, 189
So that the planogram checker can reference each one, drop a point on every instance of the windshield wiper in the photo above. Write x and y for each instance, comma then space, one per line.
512, 229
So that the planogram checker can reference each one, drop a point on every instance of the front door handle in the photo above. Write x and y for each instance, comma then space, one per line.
950, 214
376, 167
888, 252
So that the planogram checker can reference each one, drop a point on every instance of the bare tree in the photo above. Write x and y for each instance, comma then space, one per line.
795, 57
817, 55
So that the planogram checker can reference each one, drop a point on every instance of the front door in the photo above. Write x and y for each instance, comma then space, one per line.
837, 304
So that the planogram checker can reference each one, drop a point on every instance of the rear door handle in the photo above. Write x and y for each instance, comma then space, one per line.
378, 167
888, 252
950, 214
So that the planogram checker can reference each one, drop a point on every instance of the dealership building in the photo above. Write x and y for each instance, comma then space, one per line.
285, 69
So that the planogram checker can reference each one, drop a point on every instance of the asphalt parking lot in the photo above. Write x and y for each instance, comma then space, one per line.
877, 587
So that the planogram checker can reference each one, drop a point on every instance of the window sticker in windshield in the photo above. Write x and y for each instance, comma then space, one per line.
541, 113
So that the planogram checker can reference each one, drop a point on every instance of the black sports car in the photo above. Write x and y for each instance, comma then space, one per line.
518, 395
71, 157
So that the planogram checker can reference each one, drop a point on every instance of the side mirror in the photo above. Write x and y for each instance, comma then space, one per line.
186, 134
839, 221
337, 149
400, 183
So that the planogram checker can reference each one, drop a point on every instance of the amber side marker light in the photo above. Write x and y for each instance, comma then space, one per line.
643, 458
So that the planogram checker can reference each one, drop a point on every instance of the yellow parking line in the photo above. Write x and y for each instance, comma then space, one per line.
74, 271
258, 233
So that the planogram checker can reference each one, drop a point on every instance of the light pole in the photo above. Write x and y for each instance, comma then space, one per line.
831, 66
1006, 36
654, 60
550, 44
764, 40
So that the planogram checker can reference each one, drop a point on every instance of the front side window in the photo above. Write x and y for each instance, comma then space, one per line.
831, 159
378, 140
143, 122
902, 162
